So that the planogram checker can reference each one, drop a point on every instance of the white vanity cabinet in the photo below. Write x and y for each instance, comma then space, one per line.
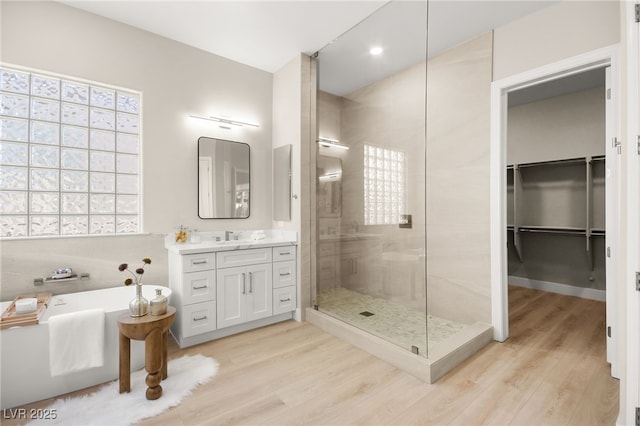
284, 279
193, 284
244, 292
223, 289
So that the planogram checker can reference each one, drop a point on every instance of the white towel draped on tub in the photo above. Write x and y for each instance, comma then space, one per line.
76, 341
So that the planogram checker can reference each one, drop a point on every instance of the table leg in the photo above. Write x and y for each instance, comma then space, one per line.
165, 361
125, 364
153, 363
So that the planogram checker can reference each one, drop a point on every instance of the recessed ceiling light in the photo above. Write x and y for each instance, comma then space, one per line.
376, 50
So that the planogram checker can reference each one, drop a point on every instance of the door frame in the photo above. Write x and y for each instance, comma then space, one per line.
500, 89
631, 379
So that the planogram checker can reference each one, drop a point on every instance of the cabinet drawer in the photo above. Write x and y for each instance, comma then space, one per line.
284, 300
284, 274
284, 253
198, 262
327, 249
198, 318
353, 247
230, 259
327, 265
198, 287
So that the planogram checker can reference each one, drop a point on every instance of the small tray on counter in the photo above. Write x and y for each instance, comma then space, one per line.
10, 318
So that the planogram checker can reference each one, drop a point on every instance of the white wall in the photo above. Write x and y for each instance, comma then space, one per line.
175, 81
562, 31
294, 123
568, 126
557, 32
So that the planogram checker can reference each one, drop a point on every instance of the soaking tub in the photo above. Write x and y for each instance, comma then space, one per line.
24, 351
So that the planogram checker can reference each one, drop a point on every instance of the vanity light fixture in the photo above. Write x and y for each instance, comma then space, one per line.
331, 143
225, 123
327, 177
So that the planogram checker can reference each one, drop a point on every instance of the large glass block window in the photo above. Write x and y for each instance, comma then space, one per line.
384, 185
69, 157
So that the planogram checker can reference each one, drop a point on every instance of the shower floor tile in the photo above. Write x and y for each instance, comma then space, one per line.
387, 319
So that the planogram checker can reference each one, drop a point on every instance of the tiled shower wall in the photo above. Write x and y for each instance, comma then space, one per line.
391, 114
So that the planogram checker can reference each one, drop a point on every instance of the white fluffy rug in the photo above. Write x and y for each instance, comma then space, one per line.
110, 408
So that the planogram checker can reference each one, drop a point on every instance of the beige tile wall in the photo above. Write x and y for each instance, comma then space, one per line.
391, 114
458, 115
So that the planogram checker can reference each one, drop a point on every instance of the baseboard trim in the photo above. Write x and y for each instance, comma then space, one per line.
567, 290
185, 342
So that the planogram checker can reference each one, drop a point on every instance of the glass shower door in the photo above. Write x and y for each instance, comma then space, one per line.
371, 177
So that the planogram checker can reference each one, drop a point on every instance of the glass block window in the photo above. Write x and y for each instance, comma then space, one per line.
384, 185
69, 157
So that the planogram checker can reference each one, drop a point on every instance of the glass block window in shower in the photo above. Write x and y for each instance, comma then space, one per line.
384, 185
69, 156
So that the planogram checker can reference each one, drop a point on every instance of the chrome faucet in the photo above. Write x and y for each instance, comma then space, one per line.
227, 234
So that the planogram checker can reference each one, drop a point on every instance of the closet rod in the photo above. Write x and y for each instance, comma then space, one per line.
554, 162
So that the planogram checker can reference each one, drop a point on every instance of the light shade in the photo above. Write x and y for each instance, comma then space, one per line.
225, 123
331, 143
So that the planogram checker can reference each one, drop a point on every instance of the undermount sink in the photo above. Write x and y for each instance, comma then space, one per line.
233, 242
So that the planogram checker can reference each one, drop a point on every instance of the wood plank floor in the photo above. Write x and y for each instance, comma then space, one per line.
552, 370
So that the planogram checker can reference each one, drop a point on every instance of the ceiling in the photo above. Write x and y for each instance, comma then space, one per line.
262, 34
268, 34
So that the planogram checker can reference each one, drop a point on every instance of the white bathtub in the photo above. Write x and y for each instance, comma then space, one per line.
24, 351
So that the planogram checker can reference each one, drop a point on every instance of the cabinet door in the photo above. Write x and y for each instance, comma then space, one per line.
231, 290
259, 291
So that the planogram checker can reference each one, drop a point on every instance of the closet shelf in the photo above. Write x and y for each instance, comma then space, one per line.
553, 230
572, 190
555, 162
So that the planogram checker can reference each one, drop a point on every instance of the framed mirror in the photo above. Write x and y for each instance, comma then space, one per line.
329, 190
223, 179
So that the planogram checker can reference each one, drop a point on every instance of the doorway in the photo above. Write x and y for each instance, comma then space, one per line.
501, 90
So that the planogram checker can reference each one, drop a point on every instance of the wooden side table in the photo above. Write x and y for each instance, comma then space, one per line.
154, 330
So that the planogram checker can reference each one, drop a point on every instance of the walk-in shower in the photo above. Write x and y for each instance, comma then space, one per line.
402, 185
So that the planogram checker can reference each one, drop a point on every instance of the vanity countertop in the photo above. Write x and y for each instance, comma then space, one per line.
214, 241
